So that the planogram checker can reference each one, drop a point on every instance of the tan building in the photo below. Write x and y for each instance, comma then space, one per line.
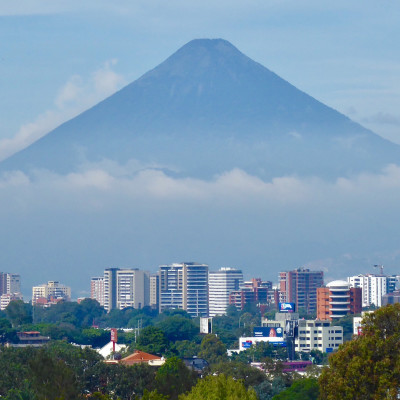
51, 290
97, 289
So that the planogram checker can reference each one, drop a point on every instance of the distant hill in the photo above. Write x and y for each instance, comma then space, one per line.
206, 109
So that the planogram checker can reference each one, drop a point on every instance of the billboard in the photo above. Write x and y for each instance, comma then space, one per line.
263, 331
247, 344
205, 325
114, 335
290, 328
287, 307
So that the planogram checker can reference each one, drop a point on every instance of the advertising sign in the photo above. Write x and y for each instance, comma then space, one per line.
291, 328
329, 350
205, 325
287, 307
114, 335
263, 331
247, 344
279, 344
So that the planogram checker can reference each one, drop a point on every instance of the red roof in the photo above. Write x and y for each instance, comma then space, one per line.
139, 357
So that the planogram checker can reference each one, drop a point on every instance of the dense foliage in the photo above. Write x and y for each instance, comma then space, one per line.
60, 370
367, 367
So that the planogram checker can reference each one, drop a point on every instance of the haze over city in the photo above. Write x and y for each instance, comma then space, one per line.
58, 60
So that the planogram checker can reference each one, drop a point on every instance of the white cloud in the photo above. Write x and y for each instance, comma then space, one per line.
75, 96
111, 184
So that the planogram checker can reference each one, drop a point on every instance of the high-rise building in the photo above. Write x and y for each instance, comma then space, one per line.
51, 291
300, 287
373, 288
171, 287
155, 291
184, 286
391, 298
254, 291
337, 300
221, 283
97, 289
3, 283
10, 283
126, 287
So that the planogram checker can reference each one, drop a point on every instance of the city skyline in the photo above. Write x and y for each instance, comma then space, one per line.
61, 59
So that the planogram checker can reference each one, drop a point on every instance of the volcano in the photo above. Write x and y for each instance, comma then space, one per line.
205, 110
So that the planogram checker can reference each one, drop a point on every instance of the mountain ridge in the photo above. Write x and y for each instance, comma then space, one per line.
206, 109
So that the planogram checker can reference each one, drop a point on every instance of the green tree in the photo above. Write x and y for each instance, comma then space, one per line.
185, 349
51, 378
126, 382
153, 395
212, 349
18, 313
367, 367
219, 387
94, 337
14, 368
174, 378
177, 327
7, 333
302, 389
250, 376
347, 324
152, 340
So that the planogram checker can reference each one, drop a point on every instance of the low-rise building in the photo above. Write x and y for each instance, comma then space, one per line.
139, 357
318, 335
31, 338
6, 298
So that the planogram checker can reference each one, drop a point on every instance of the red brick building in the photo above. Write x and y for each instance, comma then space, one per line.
337, 300
300, 287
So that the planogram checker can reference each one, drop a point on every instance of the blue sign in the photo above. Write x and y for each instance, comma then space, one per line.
287, 307
279, 344
329, 350
247, 344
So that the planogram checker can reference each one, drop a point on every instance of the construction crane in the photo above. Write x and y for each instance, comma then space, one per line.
380, 268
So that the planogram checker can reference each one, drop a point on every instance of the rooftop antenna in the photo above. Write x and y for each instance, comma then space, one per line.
380, 268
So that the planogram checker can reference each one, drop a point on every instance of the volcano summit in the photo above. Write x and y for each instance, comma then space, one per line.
207, 109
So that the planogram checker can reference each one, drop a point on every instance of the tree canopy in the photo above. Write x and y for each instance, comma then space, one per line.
367, 367
219, 387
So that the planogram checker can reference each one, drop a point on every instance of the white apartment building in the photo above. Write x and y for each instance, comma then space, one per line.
318, 335
184, 286
373, 288
97, 289
221, 284
6, 298
51, 290
126, 287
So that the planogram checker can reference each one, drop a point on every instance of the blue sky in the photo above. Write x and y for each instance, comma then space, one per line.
343, 53
58, 58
